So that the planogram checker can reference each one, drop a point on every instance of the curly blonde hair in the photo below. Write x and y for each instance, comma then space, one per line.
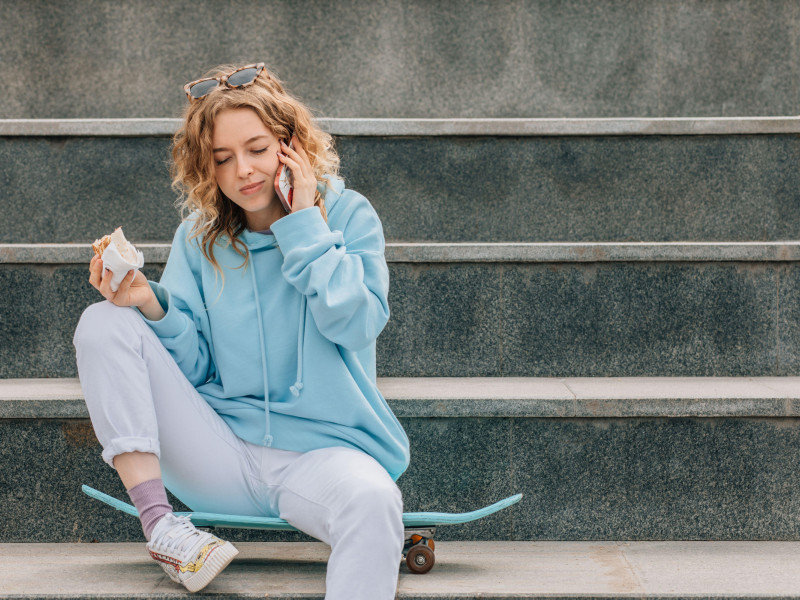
192, 170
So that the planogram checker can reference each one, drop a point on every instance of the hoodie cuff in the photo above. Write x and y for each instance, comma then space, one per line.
300, 229
170, 325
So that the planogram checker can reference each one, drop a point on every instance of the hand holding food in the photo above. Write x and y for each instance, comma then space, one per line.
114, 272
119, 256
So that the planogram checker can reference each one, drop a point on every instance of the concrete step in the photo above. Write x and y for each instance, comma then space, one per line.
466, 310
463, 571
538, 58
443, 180
596, 459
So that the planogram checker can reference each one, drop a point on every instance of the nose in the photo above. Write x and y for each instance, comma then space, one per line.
245, 167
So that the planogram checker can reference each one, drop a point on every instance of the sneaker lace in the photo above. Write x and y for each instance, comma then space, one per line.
183, 536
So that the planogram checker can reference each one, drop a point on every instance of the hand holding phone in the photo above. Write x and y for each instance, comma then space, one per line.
283, 185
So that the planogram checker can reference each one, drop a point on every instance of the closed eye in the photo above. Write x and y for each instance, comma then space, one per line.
259, 151
222, 162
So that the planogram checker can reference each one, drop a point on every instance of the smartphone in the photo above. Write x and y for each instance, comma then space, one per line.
283, 186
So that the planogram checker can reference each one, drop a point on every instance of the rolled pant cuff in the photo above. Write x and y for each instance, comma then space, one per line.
130, 444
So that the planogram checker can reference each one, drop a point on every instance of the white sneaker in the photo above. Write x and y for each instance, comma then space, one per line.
189, 556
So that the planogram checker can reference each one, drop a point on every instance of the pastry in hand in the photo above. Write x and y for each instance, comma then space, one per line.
119, 256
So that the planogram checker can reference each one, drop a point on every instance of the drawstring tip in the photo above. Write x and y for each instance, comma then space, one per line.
295, 389
268, 440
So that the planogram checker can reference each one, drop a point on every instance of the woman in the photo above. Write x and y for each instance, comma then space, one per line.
245, 379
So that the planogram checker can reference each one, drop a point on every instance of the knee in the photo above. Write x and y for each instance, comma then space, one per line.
97, 324
375, 502
372, 518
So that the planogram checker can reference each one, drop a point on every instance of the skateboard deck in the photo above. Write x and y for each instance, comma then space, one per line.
420, 527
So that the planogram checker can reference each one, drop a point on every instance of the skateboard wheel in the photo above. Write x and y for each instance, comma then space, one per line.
416, 539
420, 559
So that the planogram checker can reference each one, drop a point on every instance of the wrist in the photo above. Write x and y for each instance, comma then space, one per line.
151, 308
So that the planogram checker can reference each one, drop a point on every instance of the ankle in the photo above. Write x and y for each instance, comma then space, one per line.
150, 499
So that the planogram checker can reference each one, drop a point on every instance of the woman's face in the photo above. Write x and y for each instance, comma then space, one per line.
245, 162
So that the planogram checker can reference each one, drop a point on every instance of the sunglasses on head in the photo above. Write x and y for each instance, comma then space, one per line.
235, 79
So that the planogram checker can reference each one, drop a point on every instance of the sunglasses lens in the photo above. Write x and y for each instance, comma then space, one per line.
200, 89
242, 77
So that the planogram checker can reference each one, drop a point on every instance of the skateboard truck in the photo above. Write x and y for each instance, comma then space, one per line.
418, 549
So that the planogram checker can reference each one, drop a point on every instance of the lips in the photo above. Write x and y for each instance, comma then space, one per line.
251, 188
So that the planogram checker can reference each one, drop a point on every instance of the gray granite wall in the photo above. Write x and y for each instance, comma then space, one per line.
583, 479
502, 319
444, 189
362, 58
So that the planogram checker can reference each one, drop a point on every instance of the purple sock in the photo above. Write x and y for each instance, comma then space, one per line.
150, 499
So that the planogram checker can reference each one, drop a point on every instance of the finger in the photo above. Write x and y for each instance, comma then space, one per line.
298, 146
287, 150
293, 165
298, 171
105, 285
125, 284
287, 158
304, 160
293, 145
95, 272
298, 155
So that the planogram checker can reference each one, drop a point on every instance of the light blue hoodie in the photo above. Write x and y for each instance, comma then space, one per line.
300, 320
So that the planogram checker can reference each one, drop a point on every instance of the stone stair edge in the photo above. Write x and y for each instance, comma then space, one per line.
425, 252
498, 397
464, 570
158, 127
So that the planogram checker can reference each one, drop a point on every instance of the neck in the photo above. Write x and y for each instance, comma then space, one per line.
263, 221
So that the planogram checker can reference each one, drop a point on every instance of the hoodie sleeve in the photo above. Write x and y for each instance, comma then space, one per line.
340, 268
182, 330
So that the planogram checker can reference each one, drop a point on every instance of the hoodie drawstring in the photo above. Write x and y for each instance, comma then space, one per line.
298, 384
267, 437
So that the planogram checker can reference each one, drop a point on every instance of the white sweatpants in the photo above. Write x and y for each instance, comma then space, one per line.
139, 400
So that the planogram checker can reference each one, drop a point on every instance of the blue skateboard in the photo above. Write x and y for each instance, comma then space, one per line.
420, 527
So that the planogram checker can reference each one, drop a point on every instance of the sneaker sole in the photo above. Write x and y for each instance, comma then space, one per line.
219, 559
